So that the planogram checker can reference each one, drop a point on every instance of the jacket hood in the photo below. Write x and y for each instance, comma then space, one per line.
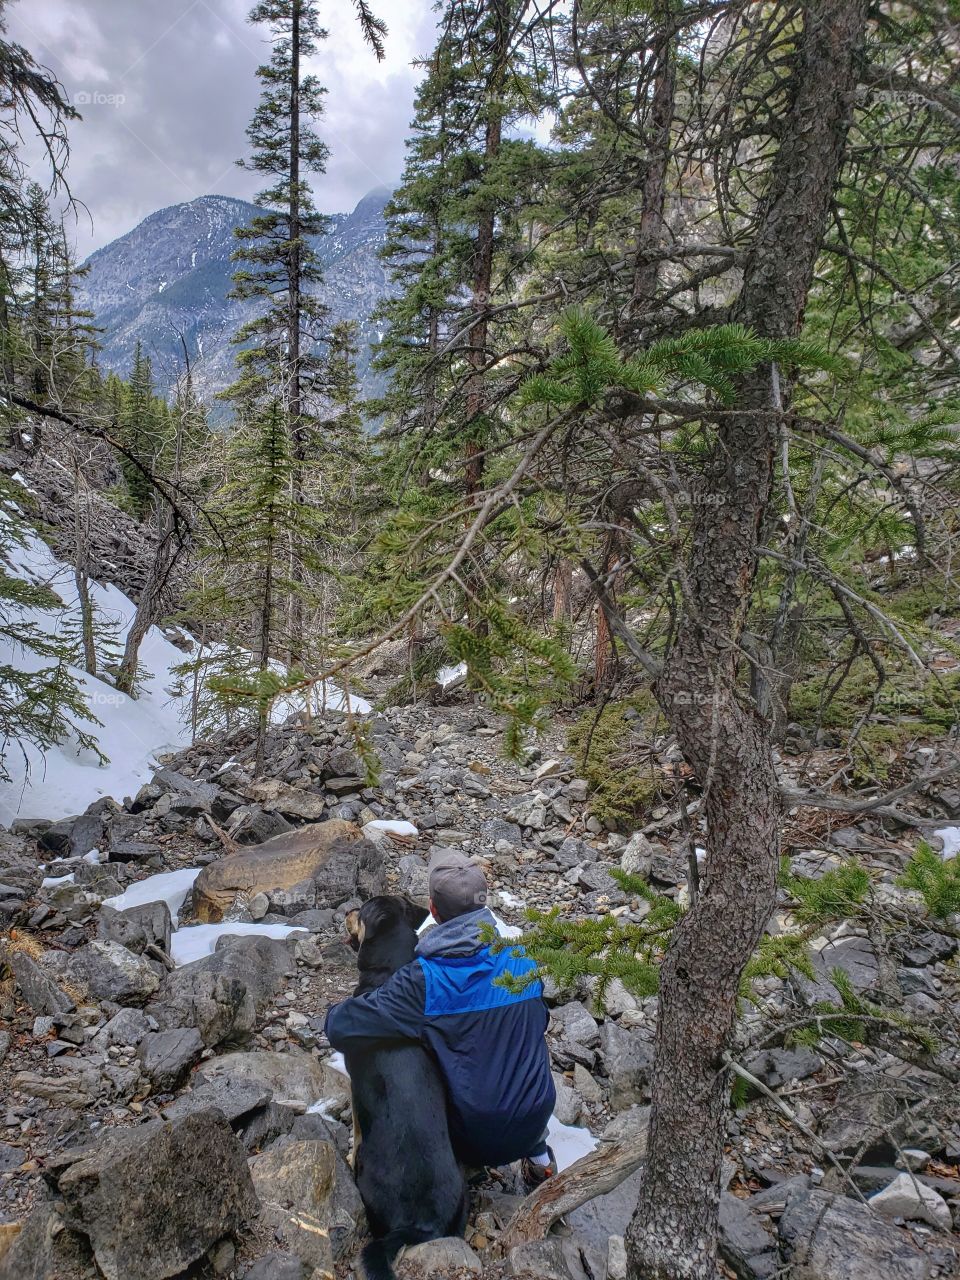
457, 937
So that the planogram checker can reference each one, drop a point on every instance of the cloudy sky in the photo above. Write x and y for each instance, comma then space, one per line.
166, 89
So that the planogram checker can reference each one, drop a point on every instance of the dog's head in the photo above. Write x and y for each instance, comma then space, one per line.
378, 916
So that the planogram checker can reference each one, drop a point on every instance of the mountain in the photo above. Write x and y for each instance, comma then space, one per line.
171, 275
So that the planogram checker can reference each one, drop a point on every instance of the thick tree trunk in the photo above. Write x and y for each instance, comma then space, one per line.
650, 233
674, 1231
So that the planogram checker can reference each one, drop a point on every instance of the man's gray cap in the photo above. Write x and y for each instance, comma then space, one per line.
457, 885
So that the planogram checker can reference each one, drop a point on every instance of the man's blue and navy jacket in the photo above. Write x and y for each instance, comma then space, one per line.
488, 1043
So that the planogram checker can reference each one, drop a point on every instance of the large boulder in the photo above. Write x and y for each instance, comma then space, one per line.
829, 1237
42, 1248
296, 1080
108, 971
309, 1198
223, 994
332, 854
153, 1199
627, 1058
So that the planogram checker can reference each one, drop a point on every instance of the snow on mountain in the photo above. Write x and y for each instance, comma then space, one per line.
171, 276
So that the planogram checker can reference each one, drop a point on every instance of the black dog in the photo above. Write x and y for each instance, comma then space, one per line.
411, 1185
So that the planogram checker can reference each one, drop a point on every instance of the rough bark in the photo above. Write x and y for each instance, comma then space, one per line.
673, 1235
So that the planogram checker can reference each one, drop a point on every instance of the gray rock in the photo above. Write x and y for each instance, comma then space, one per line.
439, 1258
553, 1259
576, 1023
43, 1248
309, 1198
40, 992
353, 868
573, 852
153, 1199
295, 1079
276, 1266
616, 1258
188, 797
779, 1066
235, 1097
223, 994
637, 857
4, 1044
918, 950
495, 829
746, 1243
569, 1105
855, 956
128, 1027
595, 878
252, 825
109, 971
166, 1056
627, 1058
414, 878
907, 1197
137, 927
832, 1238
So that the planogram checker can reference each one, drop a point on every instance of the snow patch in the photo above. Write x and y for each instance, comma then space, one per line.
65, 779
195, 941
170, 887
395, 827
329, 1108
951, 842
450, 675
569, 1143
48, 882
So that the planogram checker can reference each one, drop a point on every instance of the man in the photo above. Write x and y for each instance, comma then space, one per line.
489, 1044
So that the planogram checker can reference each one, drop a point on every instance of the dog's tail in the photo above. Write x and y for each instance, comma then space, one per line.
379, 1254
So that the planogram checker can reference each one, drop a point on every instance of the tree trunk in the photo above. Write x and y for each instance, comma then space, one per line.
474, 454
563, 592
650, 234
673, 1235
149, 605
294, 285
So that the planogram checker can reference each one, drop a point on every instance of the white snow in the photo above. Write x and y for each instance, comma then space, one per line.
951, 842
65, 779
394, 826
505, 930
449, 675
194, 941
508, 900
337, 1062
569, 1142
170, 887
329, 1108
49, 881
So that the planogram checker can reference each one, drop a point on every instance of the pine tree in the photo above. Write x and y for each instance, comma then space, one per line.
141, 431
279, 360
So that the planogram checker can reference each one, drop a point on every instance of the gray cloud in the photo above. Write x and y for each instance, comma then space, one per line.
166, 88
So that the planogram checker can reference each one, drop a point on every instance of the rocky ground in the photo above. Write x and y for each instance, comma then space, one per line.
163, 1119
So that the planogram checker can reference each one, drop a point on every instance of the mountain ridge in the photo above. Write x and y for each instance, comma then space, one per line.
166, 284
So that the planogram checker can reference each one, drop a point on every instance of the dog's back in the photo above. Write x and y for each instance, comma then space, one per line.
410, 1182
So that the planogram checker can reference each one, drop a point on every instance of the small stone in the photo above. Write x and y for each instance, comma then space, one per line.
439, 1258
258, 906
616, 1258
907, 1198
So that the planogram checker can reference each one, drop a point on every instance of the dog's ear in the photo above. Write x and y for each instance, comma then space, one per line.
414, 913
354, 929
